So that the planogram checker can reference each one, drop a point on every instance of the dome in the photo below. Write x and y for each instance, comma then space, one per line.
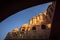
15, 29
25, 25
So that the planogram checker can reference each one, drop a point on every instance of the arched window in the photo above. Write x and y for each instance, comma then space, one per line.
33, 28
23, 30
43, 26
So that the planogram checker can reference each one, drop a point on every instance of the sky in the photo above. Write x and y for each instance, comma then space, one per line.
20, 18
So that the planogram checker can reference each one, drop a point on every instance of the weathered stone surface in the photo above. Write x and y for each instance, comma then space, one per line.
38, 28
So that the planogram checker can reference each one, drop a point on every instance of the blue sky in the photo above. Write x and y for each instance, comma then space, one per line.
20, 18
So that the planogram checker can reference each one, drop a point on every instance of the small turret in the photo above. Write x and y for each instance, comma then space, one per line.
15, 30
